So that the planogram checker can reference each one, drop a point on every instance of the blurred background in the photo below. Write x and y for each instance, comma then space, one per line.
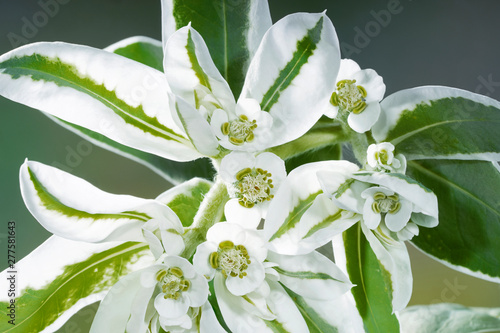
451, 43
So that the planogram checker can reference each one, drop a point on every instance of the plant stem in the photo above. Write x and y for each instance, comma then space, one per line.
359, 143
210, 212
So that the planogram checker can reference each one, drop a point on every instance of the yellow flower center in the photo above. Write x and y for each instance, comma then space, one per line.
349, 96
253, 186
172, 282
385, 203
230, 259
239, 130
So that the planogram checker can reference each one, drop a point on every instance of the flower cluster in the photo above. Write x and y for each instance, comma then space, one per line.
240, 253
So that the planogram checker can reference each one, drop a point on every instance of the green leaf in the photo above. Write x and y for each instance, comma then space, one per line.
448, 318
185, 199
373, 289
232, 31
469, 215
106, 93
84, 280
145, 50
173, 171
314, 321
327, 153
440, 123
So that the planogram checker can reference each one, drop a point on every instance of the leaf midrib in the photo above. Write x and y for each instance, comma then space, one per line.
134, 247
105, 101
264, 107
403, 137
451, 184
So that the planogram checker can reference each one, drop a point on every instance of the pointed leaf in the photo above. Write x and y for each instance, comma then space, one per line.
61, 276
440, 122
185, 199
231, 29
147, 51
109, 94
373, 289
466, 238
173, 171
73, 208
188, 65
293, 73
447, 318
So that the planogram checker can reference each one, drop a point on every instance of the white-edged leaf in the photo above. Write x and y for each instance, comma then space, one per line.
197, 128
394, 258
62, 276
231, 29
146, 50
440, 123
109, 94
185, 199
296, 223
71, 207
293, 72
448, 318
188, 65
312, 275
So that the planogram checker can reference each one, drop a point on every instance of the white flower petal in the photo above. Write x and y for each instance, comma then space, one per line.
254, 278
373, 84
348, 68
363, 121
233, 163
201, 259
171, 308
248, 218
397, 221
198, 291
370, 218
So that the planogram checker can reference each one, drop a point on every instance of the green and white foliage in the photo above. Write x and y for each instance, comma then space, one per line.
224, 107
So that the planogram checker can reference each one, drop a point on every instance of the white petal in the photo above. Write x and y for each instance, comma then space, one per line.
274, 165
370, 218
285, 310
219, 117
198, 291
363, 121
171, 308
248, 218
373, 84
397, 221
254, 278
226, 231
348, 68
201, 259
233, 163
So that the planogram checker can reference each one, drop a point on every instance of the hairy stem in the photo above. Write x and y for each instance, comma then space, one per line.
209, 213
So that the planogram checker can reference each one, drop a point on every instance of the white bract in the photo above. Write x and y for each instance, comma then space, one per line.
380, 157
252, 182
280, 84
170, 295
357, 96
394, 200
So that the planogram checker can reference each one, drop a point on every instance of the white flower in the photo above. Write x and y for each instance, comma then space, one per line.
382, 201
394, 200
284, 79
252, 182
380, 157
357, 96
233, 254
238, 129
170, 295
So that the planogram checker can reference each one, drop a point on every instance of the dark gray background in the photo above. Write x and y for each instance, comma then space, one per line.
452, 43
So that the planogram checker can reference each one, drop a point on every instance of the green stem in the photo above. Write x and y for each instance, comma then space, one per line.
209, 213
359, 143
318, 137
